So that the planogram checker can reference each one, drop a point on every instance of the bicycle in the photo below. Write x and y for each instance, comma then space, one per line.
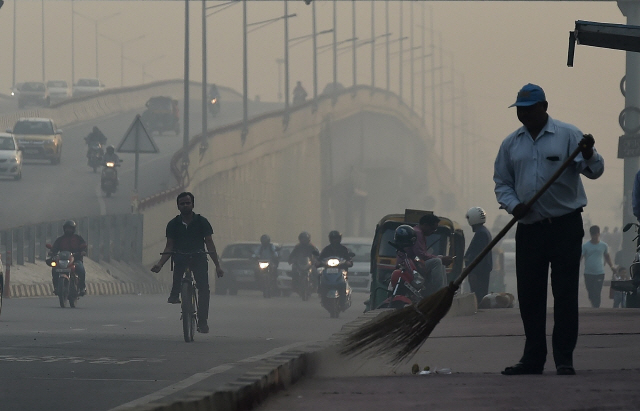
188, 296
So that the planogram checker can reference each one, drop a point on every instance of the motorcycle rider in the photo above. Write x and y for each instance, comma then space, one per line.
213, 92
406, 284
267, 251
335, 249
299, 94
304, 249
96, 136
72, 242
111, 156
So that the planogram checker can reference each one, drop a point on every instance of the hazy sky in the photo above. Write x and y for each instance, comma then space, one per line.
496, 46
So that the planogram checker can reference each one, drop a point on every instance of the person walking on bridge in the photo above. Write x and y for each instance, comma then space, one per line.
550, 232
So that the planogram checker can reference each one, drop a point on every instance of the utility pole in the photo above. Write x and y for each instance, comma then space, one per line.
386, 18
373, 44
73, 63
433, 81
205, 99
400, 4
424, 56
13, 80
335, 45
185, 121
286, 62
315, 51
353, 26
42, 13
411, 51
245, 87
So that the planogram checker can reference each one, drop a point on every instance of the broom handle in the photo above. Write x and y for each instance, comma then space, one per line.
504, 231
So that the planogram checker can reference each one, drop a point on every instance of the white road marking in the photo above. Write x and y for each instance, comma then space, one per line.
95, 379
109, 325
196, 378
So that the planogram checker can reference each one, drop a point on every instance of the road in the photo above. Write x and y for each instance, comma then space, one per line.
117, 350
72, 190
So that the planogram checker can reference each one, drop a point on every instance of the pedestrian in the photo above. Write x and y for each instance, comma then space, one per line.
190, 232
595, 254
549, 233
480, 275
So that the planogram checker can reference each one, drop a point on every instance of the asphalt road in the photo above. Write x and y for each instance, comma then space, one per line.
118, 351
72, 190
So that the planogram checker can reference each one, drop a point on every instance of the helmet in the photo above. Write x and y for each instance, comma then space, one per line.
69, 223
304, 237
405, 236
335, 235
476, 215
265, 239
110, 149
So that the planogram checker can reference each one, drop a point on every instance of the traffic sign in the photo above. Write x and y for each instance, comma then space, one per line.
137, 140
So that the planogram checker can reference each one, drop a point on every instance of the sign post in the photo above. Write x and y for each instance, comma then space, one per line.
136, 140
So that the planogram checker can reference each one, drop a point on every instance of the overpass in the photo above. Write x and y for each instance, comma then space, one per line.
341, 162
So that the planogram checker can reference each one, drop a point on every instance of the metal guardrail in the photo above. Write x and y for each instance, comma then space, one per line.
117, 237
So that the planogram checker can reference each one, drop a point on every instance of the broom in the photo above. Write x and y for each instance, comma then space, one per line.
405, 330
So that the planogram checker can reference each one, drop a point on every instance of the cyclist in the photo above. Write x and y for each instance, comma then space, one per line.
189, 232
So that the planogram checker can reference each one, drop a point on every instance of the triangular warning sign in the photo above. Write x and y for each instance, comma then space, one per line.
136, 139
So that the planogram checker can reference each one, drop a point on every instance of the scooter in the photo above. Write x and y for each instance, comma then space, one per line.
214, 106
406, 285
63, 264
334, 290
94, 156
267, 276
109, 178
631, 288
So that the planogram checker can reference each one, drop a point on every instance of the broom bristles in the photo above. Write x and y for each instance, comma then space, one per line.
402, 331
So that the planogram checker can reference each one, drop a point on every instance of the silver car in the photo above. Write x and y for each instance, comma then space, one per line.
10, 157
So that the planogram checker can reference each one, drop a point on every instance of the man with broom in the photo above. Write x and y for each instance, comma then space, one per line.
550, 230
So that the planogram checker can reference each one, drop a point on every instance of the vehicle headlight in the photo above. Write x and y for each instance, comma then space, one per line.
214, 101
51, 142
333, 262
110, 164
263, 265
53, 263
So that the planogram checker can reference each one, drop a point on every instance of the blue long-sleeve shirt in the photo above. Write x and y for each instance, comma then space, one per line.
635, 196
524, 165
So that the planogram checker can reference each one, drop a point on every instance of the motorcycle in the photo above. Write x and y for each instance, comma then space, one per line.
63, 264
406, 285
631, 288
94, 156
333, 283
267, 275
214, 106
302, 282
109, 177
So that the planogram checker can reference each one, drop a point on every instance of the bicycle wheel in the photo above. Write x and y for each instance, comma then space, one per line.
186, 295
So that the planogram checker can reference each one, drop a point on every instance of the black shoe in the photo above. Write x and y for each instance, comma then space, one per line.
203, 327
521, 369
565, 370
55, 291
83, 291
173, 299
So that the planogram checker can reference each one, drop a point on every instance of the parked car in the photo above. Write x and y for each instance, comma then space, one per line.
86, 86
58, 90
10, 157
284, 280
239, 268
38, 138
33, 93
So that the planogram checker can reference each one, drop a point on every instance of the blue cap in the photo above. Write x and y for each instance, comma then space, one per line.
529, 95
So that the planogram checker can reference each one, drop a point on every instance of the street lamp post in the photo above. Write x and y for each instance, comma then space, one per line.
42, 15
286, 62
353, 25
315, 52
96, 22
73, 37
122, 58
373, 44
386, 6
400, 4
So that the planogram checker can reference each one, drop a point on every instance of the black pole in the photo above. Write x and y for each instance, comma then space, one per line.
315, 51
335, 45
411, 52
185, 121
13, 79
373, 44
400, 4
245, 88
424, 101
353, 25
286, 62
205, 100
386, 6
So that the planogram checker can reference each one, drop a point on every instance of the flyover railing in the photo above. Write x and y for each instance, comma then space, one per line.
110, 237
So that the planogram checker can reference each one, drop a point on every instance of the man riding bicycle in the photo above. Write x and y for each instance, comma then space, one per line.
189, 232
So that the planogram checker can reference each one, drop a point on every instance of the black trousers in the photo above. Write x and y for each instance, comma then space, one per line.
594, 288
557, 243
199, 268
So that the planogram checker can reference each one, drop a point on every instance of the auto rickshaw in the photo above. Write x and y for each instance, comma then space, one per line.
162, 114
447, 240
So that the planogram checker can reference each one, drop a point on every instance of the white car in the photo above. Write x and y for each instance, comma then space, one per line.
10, 157
360, 273
86, 86
58, 90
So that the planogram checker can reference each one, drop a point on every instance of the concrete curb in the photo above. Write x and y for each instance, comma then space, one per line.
280, 371
104, 288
